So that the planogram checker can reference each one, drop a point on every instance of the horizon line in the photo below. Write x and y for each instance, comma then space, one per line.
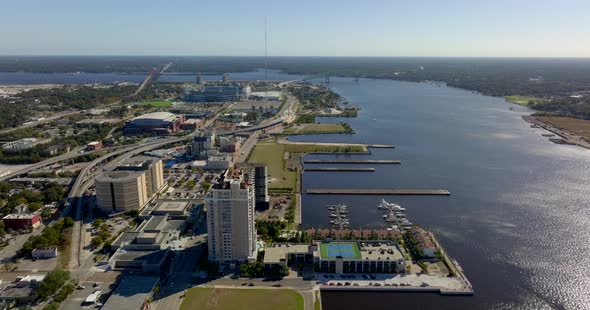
293, 56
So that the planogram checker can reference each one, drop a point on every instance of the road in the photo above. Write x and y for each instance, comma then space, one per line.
151, 76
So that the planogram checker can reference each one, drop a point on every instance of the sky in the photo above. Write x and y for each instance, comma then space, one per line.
456, 28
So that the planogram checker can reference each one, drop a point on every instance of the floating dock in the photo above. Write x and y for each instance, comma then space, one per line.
359, 169
352, 161
342, 191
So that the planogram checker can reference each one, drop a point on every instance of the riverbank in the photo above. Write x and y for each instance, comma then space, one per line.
572, 130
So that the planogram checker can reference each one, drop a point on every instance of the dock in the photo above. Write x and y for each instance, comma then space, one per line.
380, 146
352, 161
356, 169
386, 191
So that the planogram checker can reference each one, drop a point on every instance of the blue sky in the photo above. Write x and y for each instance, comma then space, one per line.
522, 28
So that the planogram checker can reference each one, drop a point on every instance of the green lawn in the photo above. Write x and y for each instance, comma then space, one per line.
235, 299
309, 129
522, 100
164, 104
317, 304
272, 154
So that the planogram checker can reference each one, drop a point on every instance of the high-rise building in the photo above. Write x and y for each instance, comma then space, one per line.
153, 168
131, 185
231, 218
121, 191
261, 186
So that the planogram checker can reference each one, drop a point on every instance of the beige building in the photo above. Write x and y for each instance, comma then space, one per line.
121, 191
131, 185
153, 168
231, 218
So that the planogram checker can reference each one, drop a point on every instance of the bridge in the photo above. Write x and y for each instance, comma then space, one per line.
152, 76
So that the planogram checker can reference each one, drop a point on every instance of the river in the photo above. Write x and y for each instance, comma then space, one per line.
519, 213
518, 217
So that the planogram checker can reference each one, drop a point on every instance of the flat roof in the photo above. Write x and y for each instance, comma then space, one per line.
380, 251
157, 115
331, 250
118, 176
274, 254
151, 257
172, 206
131, 293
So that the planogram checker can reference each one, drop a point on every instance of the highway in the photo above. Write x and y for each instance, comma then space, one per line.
86, 179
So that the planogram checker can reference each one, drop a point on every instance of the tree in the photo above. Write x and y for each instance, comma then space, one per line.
54, 280
97, 241
97, 223
68, 222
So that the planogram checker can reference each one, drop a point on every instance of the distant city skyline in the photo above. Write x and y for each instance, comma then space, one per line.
453, 28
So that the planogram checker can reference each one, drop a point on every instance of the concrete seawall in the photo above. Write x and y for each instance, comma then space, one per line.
352, 161
441, 291
340, 169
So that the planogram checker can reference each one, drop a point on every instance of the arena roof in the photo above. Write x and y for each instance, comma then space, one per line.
164, 116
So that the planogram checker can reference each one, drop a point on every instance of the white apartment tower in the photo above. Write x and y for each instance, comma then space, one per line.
231, 218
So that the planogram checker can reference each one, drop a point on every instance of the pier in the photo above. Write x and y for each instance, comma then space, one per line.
380, 146
386, 191
355, 169
352, 161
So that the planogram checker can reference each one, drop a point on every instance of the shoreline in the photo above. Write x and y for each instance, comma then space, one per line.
569, 137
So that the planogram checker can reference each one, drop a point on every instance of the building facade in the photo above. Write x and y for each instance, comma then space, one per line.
231, 218
21, 221
121, 191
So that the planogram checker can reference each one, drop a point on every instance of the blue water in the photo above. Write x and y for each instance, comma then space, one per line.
518, 219
21, 78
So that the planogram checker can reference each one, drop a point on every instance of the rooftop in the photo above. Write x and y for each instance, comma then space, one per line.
118, 176
332, 250
166, 116
131, 293
275, 253
380, 251
19, 216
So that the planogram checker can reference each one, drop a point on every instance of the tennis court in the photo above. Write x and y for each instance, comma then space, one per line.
343, 249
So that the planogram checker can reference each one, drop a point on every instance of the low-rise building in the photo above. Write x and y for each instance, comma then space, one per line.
94, 145
281, 254
132, 293
358, 257
146, 247
22, 144
44, 252
218, 163
426, 246
57, 149
230, 144
21, 221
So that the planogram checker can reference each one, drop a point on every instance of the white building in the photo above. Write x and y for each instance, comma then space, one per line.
231, 219
22, 144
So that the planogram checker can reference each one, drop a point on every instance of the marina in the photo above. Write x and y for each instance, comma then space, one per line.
338, 216
395, 216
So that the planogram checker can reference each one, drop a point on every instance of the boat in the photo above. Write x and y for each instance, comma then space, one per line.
333, 214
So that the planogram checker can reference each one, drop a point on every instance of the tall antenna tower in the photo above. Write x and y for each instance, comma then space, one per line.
265, 61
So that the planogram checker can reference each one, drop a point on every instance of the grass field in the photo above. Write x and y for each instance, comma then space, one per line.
235, 299
580, 127
164, 104
311, 148
309, 129
317, 304
522, 100
272, 154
